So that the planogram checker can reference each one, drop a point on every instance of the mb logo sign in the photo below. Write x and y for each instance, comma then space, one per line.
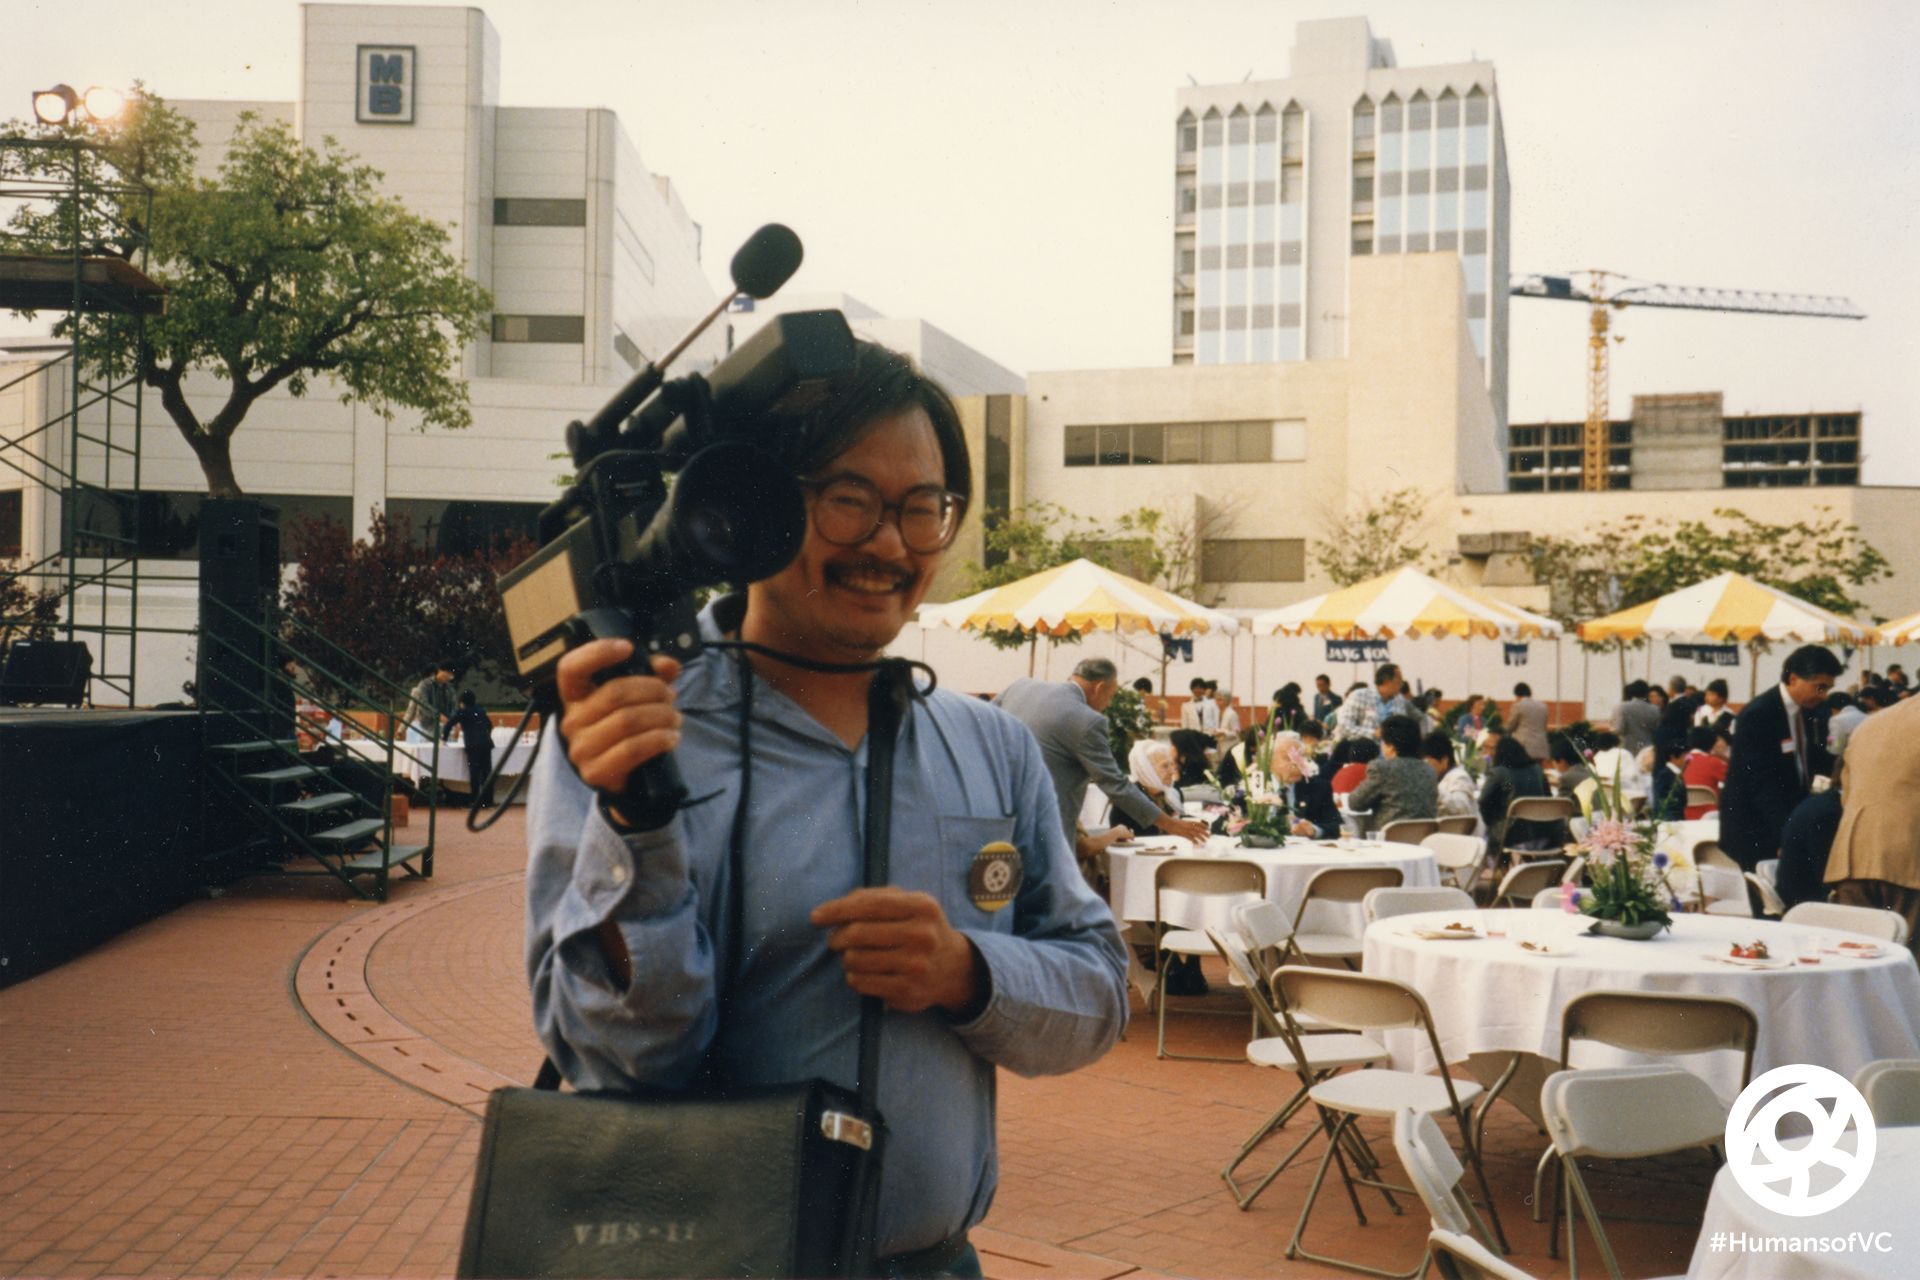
385, 84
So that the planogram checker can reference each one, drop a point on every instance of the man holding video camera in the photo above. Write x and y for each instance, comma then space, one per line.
624, 926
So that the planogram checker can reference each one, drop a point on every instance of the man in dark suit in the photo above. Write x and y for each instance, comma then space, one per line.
1779, 747
1068, 719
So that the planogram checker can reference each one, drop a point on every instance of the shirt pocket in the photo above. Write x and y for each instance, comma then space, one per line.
962, 837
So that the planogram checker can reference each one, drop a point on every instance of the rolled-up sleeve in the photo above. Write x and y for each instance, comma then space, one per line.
581, 873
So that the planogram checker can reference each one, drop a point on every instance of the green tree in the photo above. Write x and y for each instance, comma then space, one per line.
1819, 561
289, 267
1374, 538
1127, 723
1585, 576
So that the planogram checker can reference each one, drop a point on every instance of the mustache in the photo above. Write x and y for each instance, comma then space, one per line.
869, 565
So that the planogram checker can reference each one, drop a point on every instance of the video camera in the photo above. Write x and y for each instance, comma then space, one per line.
622, 552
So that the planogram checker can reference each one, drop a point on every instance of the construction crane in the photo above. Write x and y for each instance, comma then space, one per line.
1609, 291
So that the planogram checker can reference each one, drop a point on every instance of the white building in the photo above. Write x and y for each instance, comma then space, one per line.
1280, 184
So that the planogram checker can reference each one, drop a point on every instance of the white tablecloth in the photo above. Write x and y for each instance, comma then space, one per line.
1489, 995
1877, 1224
1288, 871
412, 759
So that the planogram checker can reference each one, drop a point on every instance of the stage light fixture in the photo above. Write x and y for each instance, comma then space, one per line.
53, 106
104, 104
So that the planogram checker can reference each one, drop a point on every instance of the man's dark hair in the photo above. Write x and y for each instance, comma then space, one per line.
1701, 738
1875, 696
1838, 700
466, 697
1604, 741
1717, 686
1143, 685
1324, 679
1811, 660
445, 664
1561, 750
1402, 733
1523, 690
1362, 751
1437, 746
1096, 670
1196, 684
885, 383
1386, 671
1511, 755
1311, 728
1638, 689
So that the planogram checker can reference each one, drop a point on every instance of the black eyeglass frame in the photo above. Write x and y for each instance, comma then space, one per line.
956, 502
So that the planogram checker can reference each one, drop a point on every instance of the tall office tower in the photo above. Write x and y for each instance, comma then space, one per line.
1278, 182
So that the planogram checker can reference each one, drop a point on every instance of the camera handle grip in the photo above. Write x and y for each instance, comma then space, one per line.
655, 790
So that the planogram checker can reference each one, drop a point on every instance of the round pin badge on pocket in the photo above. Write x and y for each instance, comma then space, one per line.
995, 876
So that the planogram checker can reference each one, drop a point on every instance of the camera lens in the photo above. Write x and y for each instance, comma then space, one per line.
710, 529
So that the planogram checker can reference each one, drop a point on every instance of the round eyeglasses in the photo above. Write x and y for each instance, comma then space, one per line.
847, 511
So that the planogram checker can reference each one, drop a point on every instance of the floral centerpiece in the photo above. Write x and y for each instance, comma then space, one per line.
1257, 809
1628, 893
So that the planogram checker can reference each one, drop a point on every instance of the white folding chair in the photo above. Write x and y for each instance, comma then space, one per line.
1409, 830
1458, 1257
1368, 1005
1623, 1113
1285, 1046
1524, 879
1891, 1087
1875, 922
1410, 900
1762, 898
1547, 900
1459, 857
1697, 796
1458, 825
1337, 886
1226, 878
1576, 870
1655, 1023
1435, 1173
1724, 890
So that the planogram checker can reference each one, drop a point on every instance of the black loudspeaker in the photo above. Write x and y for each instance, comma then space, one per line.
239, 584
43, 671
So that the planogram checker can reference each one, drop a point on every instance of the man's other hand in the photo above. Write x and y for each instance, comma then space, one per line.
614, 728
1186, 828
897, 945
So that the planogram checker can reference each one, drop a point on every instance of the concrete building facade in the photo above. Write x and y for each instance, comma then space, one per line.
1281, 185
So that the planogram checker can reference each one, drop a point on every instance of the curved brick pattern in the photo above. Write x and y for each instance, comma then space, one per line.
333, 986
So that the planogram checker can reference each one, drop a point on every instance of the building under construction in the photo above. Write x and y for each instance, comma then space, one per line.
1685, 441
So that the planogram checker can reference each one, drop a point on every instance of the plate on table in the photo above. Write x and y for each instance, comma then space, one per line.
1742, 962
1858, 950
1448, 933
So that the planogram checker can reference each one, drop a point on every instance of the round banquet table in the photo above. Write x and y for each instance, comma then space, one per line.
1288, 871
411, 760
1489, 995
1875, 1225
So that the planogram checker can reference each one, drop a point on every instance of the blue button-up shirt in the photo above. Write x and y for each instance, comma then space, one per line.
965, 775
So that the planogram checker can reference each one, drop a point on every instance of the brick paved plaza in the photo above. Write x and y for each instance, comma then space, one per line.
283, 1081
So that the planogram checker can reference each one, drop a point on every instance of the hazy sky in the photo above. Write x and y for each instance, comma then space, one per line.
1003, 169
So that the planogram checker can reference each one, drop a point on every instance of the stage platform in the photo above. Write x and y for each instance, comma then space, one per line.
99, 828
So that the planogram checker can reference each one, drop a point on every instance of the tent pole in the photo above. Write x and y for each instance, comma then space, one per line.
1555, 718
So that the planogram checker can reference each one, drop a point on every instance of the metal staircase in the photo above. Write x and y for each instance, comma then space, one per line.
270, 808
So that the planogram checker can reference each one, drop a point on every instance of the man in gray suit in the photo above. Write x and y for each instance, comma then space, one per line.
1527, 721
1068, 719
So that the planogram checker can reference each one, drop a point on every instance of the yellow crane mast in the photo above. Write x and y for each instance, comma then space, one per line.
1609, 291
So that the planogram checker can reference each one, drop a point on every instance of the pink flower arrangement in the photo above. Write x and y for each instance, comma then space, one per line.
1608, 839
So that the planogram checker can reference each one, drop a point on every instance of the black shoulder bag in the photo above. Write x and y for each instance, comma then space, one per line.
772, 1180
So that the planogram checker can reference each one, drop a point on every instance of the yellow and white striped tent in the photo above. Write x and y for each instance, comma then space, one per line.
1901, 630
1725, 608
1075, 597
1405, 602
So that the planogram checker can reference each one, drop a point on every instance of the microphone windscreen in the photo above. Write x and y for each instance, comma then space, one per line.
766, 261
